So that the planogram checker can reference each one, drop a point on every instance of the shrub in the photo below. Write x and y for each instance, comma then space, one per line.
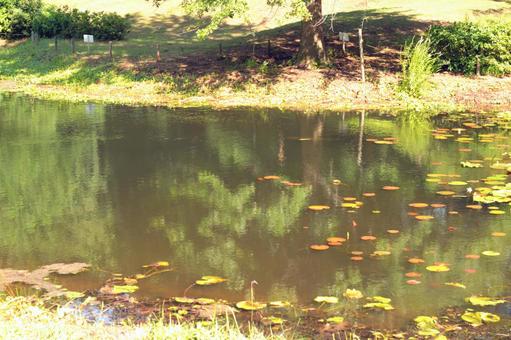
462, 44
72, 23
418, 65
16, 17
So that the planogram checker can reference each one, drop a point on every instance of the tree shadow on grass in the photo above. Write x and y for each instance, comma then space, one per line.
244, 59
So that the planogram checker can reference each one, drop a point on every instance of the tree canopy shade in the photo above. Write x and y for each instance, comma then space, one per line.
312, 47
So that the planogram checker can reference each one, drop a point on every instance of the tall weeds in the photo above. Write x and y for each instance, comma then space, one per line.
418, 65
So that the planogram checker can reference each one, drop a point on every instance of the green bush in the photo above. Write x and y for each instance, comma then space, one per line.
72, 23
462, 44
16, 17
418, 65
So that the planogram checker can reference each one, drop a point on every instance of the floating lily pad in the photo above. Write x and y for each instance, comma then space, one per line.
326, 299
335, 319
158, 264
484, 301
184, 300
318, 207
250, 305
124, 289
490, 253
319, 247
272, 320
353, 294
455, 284
209, 280
280, 304
438, 268
478, 318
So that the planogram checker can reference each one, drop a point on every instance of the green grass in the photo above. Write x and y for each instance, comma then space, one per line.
29, 318
173, 30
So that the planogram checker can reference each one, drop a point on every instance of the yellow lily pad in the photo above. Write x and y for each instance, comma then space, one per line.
124, 289
335, 319
326, 299
490, 253
484, 301
209, 280
455, 284
438, 268
250, 305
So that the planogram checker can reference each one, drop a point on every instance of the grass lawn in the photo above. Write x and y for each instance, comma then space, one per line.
174, 31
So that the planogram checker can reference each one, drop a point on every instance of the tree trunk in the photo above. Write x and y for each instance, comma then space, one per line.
312, 45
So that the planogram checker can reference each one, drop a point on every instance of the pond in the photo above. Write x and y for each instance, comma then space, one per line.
121, 187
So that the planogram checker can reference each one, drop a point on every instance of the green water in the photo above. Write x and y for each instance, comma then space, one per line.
121, 187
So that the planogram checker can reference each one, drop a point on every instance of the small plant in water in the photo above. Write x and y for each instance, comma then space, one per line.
251, 305
418, 65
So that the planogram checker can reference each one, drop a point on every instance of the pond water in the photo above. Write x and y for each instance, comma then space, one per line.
120, 187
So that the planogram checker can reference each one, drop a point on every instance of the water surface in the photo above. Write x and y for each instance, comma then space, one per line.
121, 187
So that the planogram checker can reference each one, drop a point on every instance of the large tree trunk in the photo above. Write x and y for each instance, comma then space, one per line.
312, 45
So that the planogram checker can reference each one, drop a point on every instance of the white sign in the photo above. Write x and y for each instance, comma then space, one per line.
87, 38
343, 36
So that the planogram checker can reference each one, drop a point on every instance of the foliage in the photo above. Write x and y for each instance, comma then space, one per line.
218, 10
16, 17
72, 23
461, 44
418, 65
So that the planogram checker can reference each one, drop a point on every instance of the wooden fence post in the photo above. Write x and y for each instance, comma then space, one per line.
361, 46
110, 50
158, 57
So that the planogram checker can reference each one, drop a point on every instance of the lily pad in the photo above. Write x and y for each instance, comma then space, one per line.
484, 301
250, 305
455, 284
490, 253
353, 294
335, 319
158, 264
438, 268
326, 299
209, 280
124, 289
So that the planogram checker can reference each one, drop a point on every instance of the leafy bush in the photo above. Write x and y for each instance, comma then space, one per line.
16, 17
72, 23
461, 44
418, 65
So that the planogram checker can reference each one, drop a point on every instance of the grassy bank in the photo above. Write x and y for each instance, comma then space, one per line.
244, 72
29, 318
236, 82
